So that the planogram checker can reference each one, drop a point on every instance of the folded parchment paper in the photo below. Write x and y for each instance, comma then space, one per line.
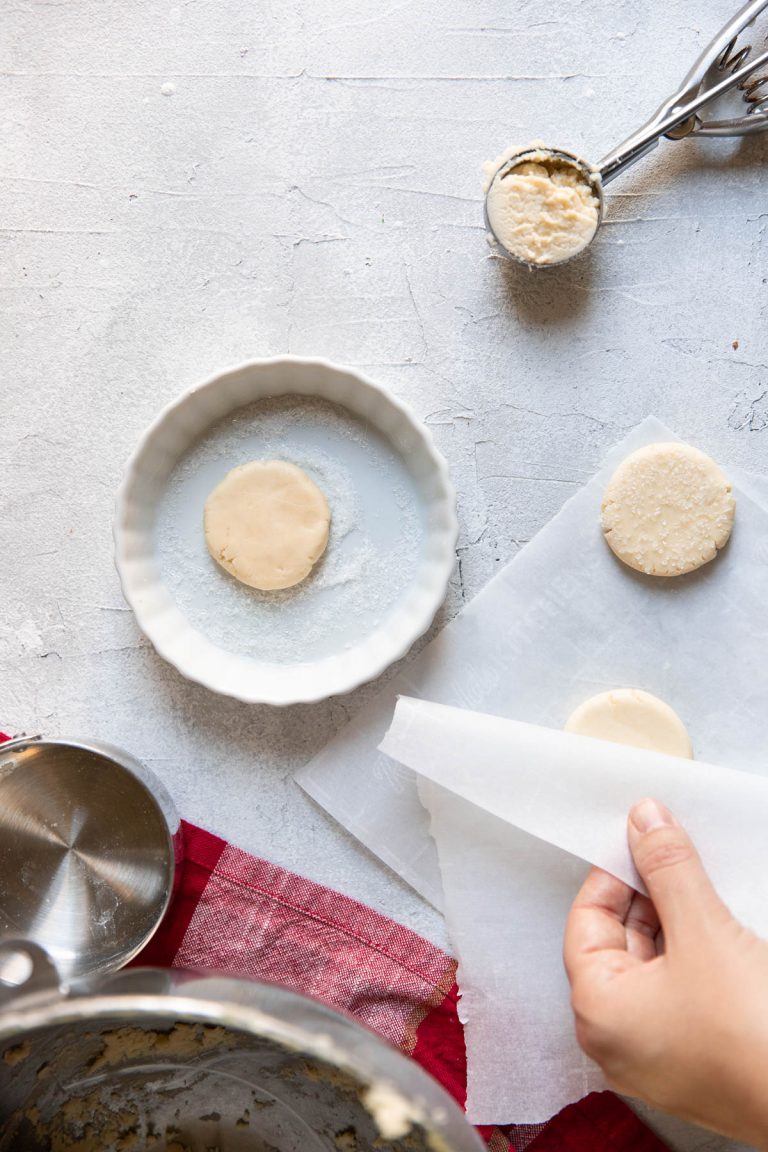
560, 622
575, 792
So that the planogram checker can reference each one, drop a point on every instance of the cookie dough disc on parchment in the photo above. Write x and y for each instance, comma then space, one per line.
631, 716
667, 509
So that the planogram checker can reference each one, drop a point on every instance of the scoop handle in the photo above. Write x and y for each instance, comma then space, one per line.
676, 118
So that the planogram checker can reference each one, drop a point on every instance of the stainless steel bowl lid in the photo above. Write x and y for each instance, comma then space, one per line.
86, 852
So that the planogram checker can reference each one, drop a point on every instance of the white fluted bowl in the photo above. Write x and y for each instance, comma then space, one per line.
382, 580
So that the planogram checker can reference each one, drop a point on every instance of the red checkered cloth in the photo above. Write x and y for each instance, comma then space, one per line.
241, 915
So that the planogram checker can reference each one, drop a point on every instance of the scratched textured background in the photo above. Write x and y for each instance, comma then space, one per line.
186, 185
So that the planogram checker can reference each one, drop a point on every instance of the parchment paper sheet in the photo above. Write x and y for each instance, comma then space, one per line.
560, 622
507, 895
563, 620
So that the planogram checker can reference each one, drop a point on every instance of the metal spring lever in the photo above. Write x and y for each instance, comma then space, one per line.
679, 116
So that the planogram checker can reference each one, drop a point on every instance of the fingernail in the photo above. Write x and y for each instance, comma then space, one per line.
649, 814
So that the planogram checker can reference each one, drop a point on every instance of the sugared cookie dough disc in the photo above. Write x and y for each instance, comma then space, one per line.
630, 716
667, 509
267, 523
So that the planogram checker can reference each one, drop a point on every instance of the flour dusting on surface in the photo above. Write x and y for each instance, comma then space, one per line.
373, 553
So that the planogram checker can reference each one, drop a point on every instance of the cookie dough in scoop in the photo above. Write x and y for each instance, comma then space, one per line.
542, 206
631, 716
267, 523
667, 509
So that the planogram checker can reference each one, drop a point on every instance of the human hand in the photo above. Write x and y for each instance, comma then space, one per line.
684, 1029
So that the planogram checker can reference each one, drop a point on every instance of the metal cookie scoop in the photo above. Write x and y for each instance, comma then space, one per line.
723, 66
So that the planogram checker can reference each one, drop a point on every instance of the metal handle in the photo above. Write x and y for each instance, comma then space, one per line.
19, 738
26, 972
673, 114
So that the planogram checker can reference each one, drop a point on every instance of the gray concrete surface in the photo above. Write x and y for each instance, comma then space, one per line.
186, 185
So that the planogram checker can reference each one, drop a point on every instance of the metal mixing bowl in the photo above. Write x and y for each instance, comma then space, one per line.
171, 1060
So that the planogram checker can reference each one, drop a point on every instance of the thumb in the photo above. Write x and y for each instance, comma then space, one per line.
673, 873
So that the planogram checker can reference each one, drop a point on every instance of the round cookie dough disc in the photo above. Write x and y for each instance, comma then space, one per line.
267, 523
630, 716
667, 510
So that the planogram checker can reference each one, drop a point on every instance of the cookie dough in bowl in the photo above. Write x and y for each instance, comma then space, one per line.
667, 510
631, 716
267, 524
